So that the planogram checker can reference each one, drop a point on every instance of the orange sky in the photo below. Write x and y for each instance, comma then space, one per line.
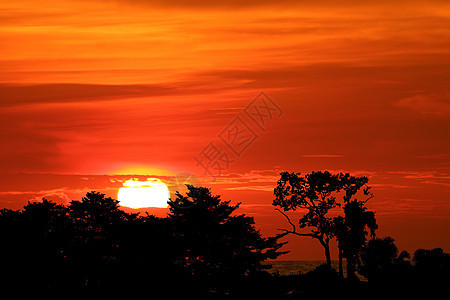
91, 89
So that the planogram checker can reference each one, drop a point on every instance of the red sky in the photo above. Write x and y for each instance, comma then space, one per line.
92, 90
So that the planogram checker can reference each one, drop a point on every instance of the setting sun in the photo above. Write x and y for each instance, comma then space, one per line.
140, 194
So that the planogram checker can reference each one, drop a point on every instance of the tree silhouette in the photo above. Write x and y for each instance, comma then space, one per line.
33, 242
316, 193
351, 234
389, 271
218, 244
14, 241
96, 221
47, 228
432, 267
147, 254
311, 192
381, 263
92, 245
203, 248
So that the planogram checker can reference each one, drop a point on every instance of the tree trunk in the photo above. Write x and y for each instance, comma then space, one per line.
327, 254
351, 271
326, 246
341, 269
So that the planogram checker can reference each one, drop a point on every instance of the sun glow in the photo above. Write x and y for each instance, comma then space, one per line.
140, 194
142, 170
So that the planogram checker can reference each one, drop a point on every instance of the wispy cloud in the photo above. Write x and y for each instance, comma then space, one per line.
391, 186
323, 155
428, 104
440, 178
38, 94
422, 174
443, 156
415, 206
353, 172
251, 188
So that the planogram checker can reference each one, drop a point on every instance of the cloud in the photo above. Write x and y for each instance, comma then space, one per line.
55, 196
323, 155
64, 93
428, 104
253, 176
23, 149
205, 4
22, 94
443, 156
437, 182
251, 188
18, 188
243, 4
422, 174
441, 178
354, 172
17, 199
391, 185
390, 206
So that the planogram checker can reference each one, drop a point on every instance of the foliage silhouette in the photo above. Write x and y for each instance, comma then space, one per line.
95, 223
432, 268
32, 243
93, 246
216, 243
389, 271
313, 193
351, 234
202, 248
317, 193
380, 260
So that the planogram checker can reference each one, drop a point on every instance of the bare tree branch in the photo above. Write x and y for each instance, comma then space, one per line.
371, 196
289, 220
296, 233
293, 231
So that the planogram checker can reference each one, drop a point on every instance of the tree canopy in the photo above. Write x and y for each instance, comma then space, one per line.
316, 194
217, 242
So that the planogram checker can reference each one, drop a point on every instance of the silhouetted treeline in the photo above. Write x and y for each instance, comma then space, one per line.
321, 195
201, 248
387, 270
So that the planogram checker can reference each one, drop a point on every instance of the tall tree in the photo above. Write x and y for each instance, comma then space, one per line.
316, 194
351, 234
218, 243
96, 221
33, 243
313, 193
47, 235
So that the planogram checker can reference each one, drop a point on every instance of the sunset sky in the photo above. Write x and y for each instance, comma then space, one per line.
97, 92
